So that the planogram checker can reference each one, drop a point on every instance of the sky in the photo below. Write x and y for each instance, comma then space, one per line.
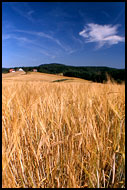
70, 33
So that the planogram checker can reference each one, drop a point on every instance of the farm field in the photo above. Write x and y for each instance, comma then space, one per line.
37, 77
61, 131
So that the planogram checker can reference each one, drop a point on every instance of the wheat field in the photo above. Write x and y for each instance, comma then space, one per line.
62, 134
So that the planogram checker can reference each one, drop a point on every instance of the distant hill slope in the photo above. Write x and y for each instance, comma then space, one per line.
39, 77
96, 74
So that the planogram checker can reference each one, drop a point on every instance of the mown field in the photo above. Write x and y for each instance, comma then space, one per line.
62, 133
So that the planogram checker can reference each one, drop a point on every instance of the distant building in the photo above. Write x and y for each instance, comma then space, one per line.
34, 70
20, 69
11, 70
61, 74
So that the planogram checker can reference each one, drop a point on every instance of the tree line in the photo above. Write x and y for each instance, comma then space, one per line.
95, 74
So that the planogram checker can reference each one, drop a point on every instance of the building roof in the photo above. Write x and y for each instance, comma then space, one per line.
11, 69
20, 69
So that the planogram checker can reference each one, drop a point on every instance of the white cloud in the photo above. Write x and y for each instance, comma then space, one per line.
101, 34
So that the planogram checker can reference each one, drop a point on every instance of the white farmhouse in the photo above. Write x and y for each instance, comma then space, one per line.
20, 69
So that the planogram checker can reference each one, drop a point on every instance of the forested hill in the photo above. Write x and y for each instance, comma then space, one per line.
96, 74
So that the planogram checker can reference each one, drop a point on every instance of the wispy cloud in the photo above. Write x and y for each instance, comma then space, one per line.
12, 36
60, 49
24, 13
77, 40
101, 34
41, 34
25, 41
45, 35
6, 36
30, 12
119, 15
106, 14
44, 52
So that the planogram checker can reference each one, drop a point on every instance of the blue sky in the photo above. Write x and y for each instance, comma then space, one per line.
71, 33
